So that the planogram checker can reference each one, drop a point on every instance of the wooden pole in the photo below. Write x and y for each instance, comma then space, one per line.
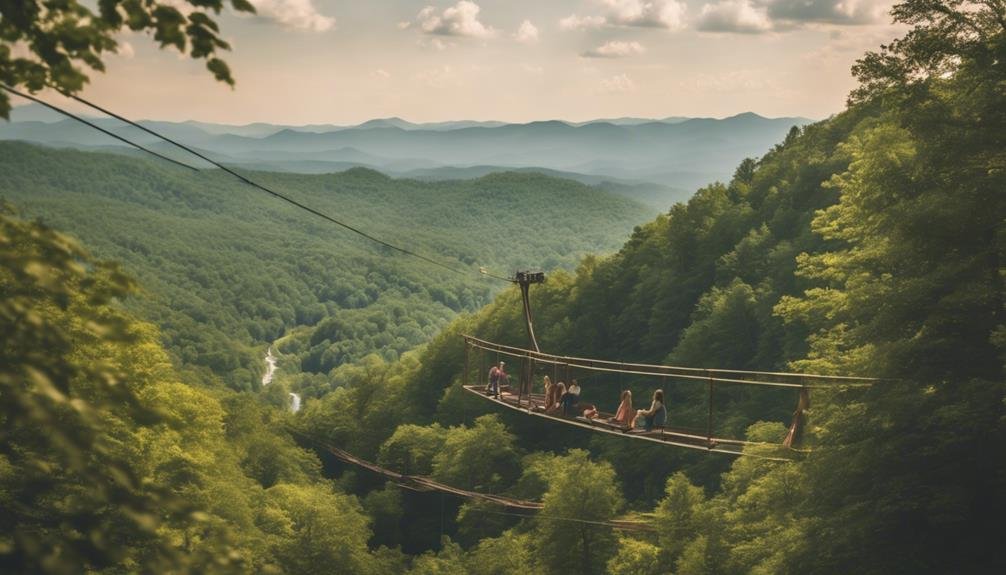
465, 380
709, 420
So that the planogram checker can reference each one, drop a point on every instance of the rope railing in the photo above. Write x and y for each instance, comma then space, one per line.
705, 375
425, 484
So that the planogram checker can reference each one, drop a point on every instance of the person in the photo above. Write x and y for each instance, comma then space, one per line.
655, 416
497, 377
574, 388
624, 415
572, 406
548, 389
570, 399
554, 404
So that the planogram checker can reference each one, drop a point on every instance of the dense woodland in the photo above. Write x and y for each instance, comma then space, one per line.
868, 244
230, 269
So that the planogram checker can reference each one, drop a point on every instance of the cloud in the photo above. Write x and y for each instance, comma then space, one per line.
437, 44
404, 25
574, 22
617, 84
760, 16
668, 14
843, 12
615, 49
527, 33
532, 69
738, 16
462, 19
381, 74
294, 14
126, 50
438, 77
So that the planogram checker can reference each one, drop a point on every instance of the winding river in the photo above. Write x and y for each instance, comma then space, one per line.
270, 371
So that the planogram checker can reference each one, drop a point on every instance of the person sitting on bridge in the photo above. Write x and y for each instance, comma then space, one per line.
497, 377
573, 407
570, 399
624, 415
553, 404
656, 416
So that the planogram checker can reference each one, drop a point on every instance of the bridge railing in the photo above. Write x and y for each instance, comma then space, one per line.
712, 378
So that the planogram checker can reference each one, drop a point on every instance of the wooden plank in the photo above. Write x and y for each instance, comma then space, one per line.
719, 445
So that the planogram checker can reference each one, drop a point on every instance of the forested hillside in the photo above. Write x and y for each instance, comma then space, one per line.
230, 269
868, 244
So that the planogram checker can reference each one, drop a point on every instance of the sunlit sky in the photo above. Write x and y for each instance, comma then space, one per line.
343, 62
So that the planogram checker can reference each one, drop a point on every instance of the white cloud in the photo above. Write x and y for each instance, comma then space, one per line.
574, 22
615, 49
462, 19
381, 74
532, 69
668, 14
617, 84
527, 33
126, 50
403, 25
739, 16
294, 14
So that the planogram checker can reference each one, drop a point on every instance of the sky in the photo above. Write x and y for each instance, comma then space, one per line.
344, 62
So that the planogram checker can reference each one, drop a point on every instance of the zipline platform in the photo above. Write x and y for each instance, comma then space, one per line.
526, 396
667, 436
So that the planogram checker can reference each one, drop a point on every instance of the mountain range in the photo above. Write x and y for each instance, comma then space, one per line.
655, 161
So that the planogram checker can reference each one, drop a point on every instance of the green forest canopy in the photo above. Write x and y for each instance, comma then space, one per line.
231, 269
871, 243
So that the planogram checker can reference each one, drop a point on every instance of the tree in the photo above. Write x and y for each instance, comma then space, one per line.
479, 457
677, 515
314, 530
636, 557
947, 37
46, 44
508, 554
412, 448
110, 480
579, 489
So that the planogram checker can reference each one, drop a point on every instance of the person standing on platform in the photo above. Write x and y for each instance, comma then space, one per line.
497, 377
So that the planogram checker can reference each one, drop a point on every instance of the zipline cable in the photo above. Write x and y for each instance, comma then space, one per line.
240, 177
95, 126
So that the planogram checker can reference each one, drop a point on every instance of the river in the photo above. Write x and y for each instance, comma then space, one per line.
270, 371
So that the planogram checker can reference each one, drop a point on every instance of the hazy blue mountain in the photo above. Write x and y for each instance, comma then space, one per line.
672, 153
629, 121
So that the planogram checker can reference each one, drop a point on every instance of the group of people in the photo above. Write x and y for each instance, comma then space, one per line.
560, 399
564, 400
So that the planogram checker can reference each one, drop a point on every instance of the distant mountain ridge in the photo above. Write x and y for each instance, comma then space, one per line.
673, 153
